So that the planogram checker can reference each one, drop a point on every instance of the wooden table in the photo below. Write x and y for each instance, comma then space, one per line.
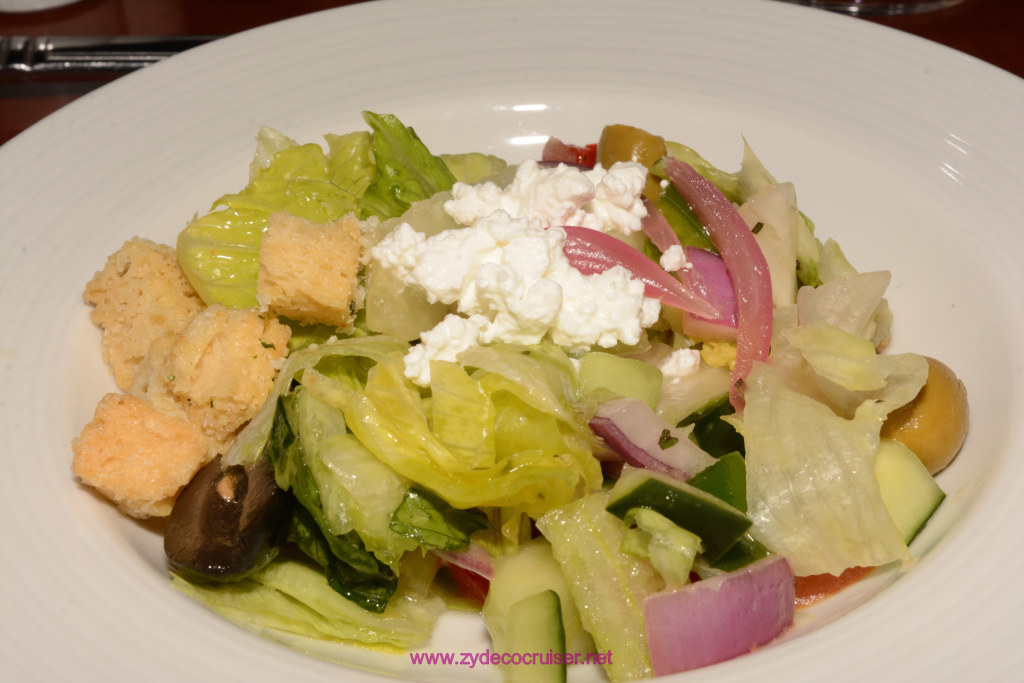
992, 30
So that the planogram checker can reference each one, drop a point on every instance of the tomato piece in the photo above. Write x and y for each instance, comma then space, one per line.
557, 151
812, 589
471, 585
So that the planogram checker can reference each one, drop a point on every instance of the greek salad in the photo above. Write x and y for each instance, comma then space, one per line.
615, 399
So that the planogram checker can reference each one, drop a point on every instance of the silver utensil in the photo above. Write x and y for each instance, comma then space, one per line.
88, 54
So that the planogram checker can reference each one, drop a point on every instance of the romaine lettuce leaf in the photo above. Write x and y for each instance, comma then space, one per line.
473, 167
849, 302
390, 419
462, 415
843, 371
434, 523
542, 375
219, 252
351, 569
250, 442
406, 170
838, 356
608, 586
357, 491
781, 234
348, 569
670, 548
737, 187
290, 596
683, 220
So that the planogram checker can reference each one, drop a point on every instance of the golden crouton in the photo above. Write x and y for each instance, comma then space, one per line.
308, 272
138, 457
153, 376
221, 368
140, 293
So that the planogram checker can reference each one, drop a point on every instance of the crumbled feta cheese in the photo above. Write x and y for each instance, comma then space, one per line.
445, 341
397, 250
679, 364
510, 277
674, 259
609, 200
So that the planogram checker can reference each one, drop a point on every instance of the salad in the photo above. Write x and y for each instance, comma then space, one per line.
623, 403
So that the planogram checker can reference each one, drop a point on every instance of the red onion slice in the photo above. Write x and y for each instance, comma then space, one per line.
746, 265
719, 618
592, 251
710, 267
634, 431
658, 229
474, 559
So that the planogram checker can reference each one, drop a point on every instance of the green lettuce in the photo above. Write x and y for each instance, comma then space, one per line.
811, 488
670, 548
838, 356
738, 186
361, 353
219, 252
461, 415
351, 569
434, 523
406, 170
608, 586
357, 491
289, 598
545, 466
473, 167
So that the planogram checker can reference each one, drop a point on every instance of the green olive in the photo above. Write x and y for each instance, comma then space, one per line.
619, 142
935, 423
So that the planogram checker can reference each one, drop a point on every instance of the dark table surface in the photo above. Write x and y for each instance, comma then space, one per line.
991, 30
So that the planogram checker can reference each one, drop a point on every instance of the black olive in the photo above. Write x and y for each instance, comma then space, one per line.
228, 521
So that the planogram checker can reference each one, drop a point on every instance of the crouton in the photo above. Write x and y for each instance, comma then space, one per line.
221, 368
153, 376
138, 457
308, 272
138, 294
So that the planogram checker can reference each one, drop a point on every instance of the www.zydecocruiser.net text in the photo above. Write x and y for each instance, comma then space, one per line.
488, 658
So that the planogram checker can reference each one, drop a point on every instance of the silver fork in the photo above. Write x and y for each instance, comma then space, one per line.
90, 53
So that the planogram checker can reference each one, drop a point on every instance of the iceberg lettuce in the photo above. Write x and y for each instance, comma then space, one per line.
811, 489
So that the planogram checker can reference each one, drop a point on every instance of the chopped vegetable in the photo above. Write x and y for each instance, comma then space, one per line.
746, 265
719, 618
434, 523
608, 586
591, 251
638, 435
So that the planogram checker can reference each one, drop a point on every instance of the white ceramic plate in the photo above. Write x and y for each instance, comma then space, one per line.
906, 152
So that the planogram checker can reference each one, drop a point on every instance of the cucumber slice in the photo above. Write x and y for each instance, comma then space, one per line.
531, 570
535, 634
608, 586
725, 479
718, 524
910, 493
622, 376
747, 550
694, 396
715, 435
